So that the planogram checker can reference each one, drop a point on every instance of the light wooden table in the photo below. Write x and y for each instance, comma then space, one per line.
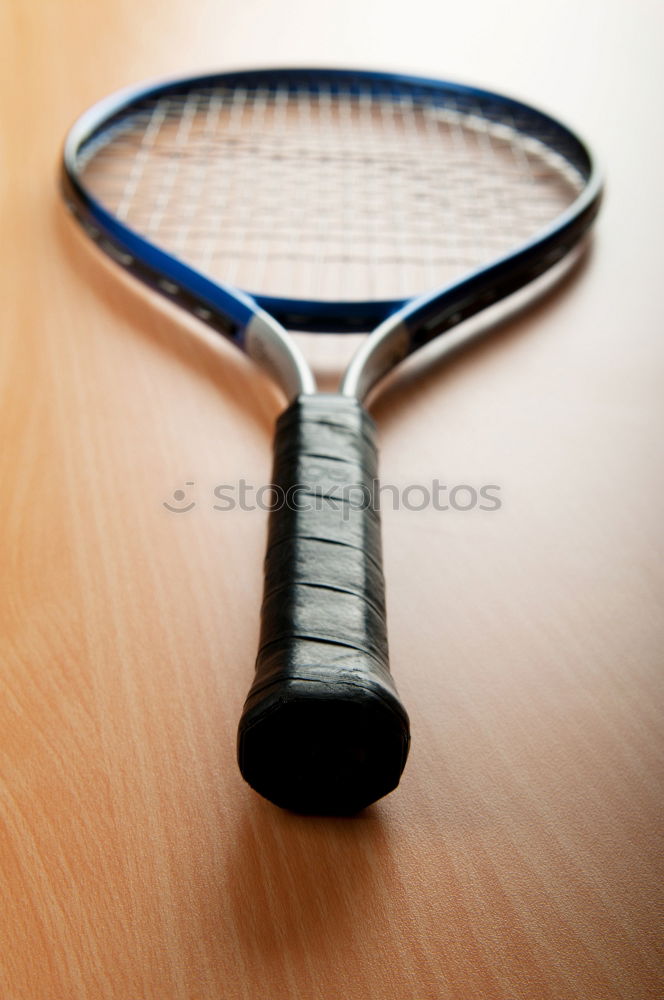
520, 856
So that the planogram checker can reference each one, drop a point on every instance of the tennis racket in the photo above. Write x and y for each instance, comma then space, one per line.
339, 201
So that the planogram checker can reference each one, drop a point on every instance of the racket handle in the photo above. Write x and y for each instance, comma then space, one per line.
323, 730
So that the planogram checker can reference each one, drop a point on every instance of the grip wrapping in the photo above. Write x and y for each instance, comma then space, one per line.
323, 730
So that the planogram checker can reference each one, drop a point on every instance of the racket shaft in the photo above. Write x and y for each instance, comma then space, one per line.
323, 729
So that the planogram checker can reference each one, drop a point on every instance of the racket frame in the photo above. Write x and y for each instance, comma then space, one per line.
258, 323
299, 702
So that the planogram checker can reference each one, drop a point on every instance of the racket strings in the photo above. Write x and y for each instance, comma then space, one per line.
327, 194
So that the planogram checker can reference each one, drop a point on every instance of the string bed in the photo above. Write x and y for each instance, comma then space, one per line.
326, 193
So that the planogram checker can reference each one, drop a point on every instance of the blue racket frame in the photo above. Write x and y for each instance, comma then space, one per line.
231, 310
323, 730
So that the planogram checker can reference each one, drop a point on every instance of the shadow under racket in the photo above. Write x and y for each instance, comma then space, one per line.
508, 319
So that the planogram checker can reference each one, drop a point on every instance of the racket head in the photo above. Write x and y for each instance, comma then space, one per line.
335, 197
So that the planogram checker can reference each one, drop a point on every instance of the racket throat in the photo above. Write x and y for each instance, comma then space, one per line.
267, 343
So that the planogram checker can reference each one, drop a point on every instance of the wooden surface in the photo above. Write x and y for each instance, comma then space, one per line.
520, 857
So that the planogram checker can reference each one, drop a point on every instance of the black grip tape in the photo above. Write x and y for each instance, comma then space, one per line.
323, 730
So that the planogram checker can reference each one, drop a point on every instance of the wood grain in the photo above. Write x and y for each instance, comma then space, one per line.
521, 857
